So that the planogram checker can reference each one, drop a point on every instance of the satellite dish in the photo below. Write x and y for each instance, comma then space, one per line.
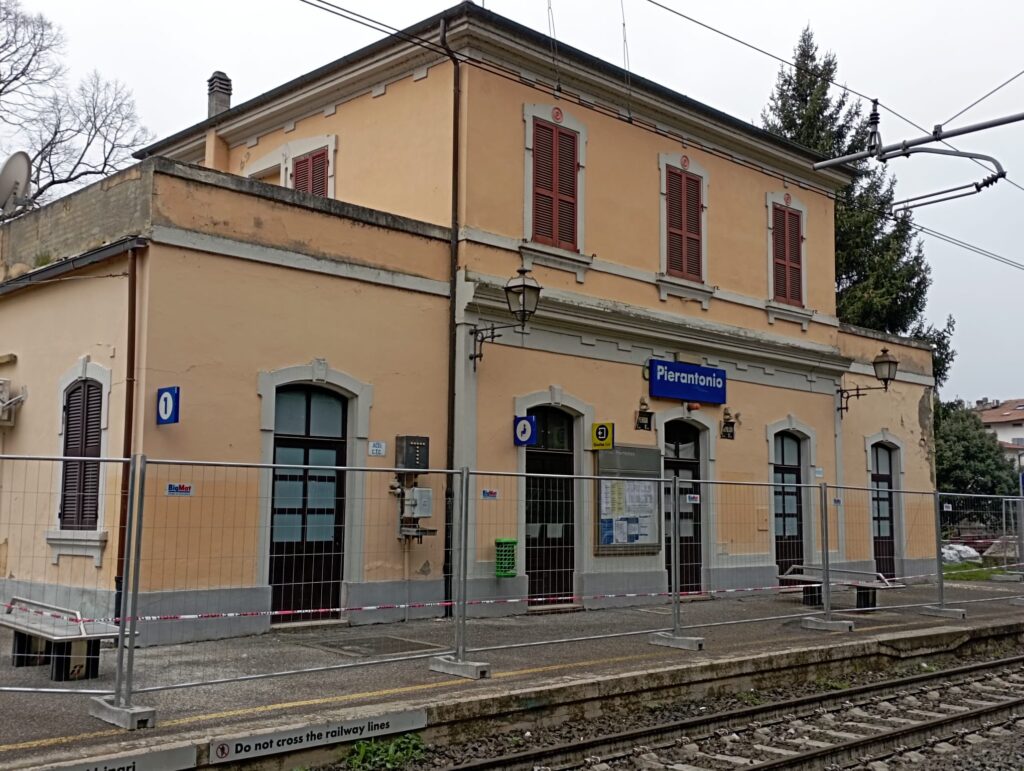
14, 181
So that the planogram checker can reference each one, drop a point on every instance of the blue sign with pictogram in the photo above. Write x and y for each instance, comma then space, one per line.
524, 430
168, 401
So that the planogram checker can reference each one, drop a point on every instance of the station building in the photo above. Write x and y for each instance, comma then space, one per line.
294, 265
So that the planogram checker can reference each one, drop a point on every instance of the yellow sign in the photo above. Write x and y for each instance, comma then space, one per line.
602, 436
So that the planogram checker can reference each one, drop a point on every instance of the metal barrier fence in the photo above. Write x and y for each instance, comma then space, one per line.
198, 553
62, 556
237, 550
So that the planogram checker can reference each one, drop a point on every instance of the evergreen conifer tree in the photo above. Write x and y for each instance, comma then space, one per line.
882, 277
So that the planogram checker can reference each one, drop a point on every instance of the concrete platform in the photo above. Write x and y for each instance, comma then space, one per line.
41, 730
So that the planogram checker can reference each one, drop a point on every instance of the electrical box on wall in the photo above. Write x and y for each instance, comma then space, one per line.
418, 502
412, 452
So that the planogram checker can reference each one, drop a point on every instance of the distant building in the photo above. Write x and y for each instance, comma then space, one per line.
1005, 419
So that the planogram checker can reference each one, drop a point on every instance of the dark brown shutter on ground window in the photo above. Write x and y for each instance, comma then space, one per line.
555, 168
683, 231
80, 482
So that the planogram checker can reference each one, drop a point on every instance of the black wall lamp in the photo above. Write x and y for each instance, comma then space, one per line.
885, 365
522, 293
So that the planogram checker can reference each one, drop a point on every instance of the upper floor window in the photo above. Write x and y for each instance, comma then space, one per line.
309, 172
787, 255
306, 164
80, 482
683, 232
555, 180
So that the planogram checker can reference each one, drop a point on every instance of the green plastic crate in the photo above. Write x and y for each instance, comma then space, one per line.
505, 557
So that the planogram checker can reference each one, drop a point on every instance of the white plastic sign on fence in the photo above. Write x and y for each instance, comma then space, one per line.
257, 745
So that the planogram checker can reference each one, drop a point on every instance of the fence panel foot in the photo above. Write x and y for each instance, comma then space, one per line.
822, 625
935, 610
1018, 601
131, 718
670, 641
449, 665
1007, 578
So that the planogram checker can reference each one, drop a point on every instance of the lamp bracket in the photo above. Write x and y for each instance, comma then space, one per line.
488, 334
845, 394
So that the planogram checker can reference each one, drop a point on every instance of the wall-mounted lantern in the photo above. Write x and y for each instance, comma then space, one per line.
522, 293
885, 365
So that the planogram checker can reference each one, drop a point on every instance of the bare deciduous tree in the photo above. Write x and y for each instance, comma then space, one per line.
73, 134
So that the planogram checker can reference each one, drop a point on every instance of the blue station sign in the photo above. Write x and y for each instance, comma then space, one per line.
686, 382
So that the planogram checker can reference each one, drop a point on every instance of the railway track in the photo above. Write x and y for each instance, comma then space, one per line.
893, 724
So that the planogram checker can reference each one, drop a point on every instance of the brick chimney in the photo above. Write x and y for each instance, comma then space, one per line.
219, 93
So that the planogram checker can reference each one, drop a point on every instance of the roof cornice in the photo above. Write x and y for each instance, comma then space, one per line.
525, 53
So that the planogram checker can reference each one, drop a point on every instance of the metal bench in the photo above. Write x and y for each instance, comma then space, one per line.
49, 634
810, 578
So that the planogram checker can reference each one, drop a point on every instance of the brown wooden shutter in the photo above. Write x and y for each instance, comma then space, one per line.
675, 247
300, 173
567, 152
555, 196
793, 244
693, 231
543, 182
318, 173
787, 259
780, 261
683, 229
80, 483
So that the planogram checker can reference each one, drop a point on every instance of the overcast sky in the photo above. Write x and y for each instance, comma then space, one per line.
927, 60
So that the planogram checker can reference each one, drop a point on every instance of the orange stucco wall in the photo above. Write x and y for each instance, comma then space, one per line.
50, 329
393, 150
244, 318
622, 193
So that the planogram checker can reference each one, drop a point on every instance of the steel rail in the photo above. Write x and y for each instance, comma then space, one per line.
733, 719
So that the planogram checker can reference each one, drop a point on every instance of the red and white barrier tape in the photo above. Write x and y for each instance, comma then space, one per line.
549, 599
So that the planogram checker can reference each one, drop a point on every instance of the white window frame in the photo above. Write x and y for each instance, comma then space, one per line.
90, 543
543, 254
801, 314
283, 159
676, 286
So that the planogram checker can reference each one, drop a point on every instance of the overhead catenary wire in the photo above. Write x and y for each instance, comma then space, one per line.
844, 87
387, 29
981, 99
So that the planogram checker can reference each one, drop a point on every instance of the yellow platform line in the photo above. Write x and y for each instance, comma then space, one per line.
265, 708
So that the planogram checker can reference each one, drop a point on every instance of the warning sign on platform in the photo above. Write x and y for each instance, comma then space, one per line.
258, 745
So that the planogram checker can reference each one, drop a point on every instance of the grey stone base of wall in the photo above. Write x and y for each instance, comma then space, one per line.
188, 602
491, 588
640, 582
917, 571
90, 602
742, 577
370, 593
